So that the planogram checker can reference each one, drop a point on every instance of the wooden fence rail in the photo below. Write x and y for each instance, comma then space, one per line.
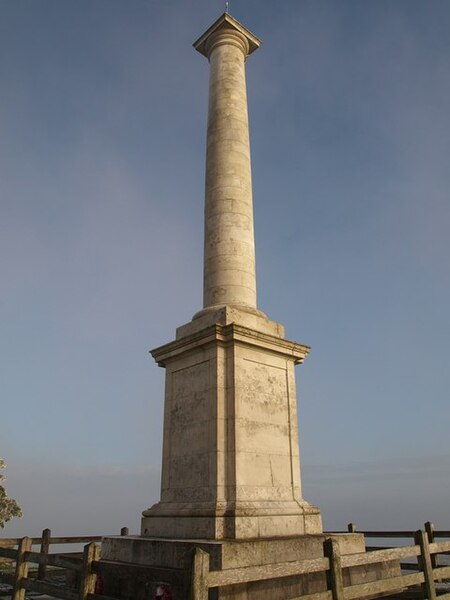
427, 546
24, 557
83, 539
46, 539
429, 527
332, 566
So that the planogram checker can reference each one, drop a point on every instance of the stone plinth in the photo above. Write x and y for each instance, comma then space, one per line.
231, 466
233, 554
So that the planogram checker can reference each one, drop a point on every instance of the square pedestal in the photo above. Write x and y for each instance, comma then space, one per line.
231, 463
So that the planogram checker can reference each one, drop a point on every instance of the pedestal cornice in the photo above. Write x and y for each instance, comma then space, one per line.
228, 334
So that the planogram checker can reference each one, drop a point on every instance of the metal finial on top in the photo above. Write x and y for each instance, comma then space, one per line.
226, 6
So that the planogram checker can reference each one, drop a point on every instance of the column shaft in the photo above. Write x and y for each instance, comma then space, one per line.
229, 259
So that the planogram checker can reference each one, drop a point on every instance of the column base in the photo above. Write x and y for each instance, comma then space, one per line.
245, 316
240, 521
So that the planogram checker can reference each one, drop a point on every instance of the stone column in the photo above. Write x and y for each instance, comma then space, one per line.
229, 252
231, 464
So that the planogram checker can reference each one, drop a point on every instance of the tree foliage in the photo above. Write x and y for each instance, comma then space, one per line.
8, 506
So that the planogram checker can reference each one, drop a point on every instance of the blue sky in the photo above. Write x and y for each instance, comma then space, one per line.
102, 143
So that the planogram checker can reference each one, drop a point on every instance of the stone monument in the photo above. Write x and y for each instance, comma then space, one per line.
231, 467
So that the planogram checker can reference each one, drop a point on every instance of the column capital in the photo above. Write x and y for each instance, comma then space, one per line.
226, 24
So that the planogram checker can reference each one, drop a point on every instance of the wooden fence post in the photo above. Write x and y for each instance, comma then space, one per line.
200, 570
21, 571
351, 527
429, 528
424, 562
124, 531
87, 585
45, 546
335, 581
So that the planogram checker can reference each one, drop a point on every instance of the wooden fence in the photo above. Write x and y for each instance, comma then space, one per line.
432, 535
424, 551
21, 579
